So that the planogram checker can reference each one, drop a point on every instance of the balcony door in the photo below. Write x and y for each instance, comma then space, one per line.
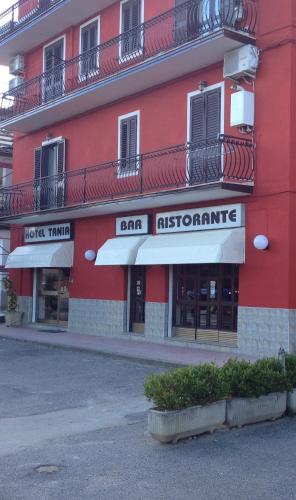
53, 84
49, 176
205, 128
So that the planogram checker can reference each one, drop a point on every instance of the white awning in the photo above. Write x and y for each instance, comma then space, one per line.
43, 255
120, 251
202, 247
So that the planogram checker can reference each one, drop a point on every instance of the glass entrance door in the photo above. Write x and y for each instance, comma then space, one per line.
53, 296
138, 285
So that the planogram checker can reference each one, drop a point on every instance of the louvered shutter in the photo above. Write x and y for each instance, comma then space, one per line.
136, 21
181, 22
37, 178
197, 138
131, 18
128, 144
213, 119
133, 136
61, 155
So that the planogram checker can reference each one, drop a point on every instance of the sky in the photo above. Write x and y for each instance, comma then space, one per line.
3, 70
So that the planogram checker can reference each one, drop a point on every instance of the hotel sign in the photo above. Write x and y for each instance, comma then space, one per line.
200, 219
54, 232
133, 225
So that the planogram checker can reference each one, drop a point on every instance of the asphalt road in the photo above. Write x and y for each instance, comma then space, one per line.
85, 415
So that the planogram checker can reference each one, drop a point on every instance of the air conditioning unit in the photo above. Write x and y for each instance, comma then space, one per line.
17, 65
241, 62
13, 85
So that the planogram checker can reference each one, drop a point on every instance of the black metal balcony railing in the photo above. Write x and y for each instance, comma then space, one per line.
192, 20
22, 13
181, 167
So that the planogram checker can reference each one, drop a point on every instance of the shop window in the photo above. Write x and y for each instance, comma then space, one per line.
129, 162
205, 298
49, 184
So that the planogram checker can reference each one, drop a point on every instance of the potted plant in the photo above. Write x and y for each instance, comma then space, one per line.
291, 374
188, 401
257, 391
12, 316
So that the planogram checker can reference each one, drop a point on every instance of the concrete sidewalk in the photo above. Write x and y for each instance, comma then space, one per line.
129, 347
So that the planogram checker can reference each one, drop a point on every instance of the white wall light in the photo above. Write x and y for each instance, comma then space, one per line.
90, 255
261, 242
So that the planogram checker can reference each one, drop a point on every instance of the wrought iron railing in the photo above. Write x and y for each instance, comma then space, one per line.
190, 21
177, 168
22, 13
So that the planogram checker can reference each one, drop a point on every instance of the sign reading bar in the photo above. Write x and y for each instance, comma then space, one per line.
133, 225
53, 232
200, 219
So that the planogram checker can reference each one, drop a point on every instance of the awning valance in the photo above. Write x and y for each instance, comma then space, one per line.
43, 255
120, 251
202, 247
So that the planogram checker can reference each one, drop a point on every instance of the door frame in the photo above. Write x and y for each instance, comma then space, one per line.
35, 298
220, 85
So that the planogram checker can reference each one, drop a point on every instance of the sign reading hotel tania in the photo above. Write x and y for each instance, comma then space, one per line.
54, 232
200, 219
133, 225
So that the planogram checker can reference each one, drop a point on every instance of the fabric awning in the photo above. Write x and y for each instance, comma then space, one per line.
202, 247
120, 251
43, 255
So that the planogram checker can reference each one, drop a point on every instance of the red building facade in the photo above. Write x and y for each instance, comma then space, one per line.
141, 175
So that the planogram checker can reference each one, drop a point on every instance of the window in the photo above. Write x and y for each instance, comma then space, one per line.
129, 144
131, 30
205, 161
49, 175
89, 41
53, 83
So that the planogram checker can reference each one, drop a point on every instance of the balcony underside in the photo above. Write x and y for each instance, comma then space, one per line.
162, 68
49, 24
202, 193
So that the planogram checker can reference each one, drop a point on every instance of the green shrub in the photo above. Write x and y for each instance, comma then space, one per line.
248, 380
11, 294
291, 369
185, 387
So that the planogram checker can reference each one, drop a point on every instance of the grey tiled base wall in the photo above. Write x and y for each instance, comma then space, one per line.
97, 317
156, 320
262, 331
25, 306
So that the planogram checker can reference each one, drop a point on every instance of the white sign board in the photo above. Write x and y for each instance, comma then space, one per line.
200, 219
54, 232
133, 225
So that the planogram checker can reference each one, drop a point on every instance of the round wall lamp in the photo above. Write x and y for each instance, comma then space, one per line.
90, 255
261, 242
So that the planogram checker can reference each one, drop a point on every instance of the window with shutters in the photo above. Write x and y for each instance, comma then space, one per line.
49, 183
205, 159
54, 77
89, 54
131, 29
128, 144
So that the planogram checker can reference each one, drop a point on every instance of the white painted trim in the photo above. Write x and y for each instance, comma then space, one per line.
98, 19
125, 58
52, 141
35, 296
170, 303
220, 85
128, 304
120, 119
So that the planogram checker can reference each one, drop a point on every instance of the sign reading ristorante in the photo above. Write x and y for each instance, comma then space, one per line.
200, 219
54, 232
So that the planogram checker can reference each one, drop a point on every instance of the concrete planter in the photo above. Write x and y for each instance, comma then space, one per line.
292, 401
170, 426
241, 411
13, 318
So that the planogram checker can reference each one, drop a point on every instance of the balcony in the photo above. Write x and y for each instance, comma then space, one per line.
29, 23
217, 169
155, 52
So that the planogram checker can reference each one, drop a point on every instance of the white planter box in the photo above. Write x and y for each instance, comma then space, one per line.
241, 411
292, 401
13, 318
170, 426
